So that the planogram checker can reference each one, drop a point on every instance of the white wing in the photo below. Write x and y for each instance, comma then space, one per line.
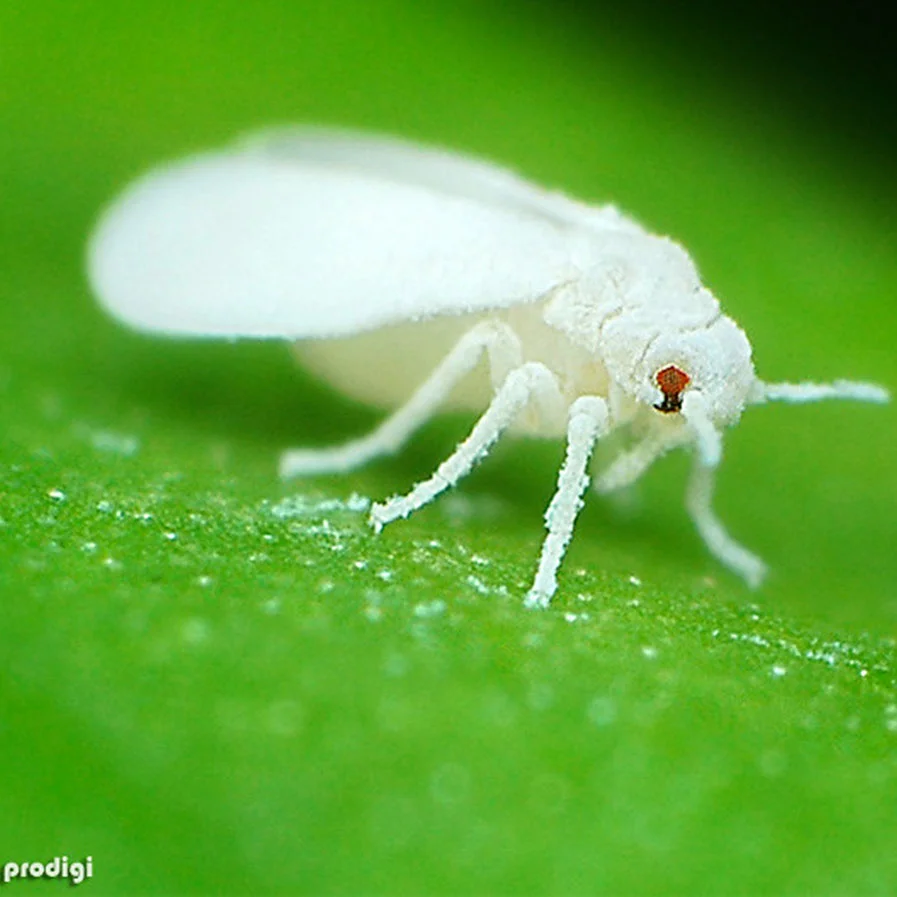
304, 238
441, 170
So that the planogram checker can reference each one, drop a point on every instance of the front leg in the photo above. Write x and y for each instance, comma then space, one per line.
720, 544
588, 421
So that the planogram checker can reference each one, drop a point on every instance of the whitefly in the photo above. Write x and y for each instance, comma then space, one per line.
417, 279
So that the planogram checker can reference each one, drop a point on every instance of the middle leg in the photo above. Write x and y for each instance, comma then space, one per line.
532, 381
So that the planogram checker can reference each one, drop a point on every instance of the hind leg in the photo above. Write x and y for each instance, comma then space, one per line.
494, 339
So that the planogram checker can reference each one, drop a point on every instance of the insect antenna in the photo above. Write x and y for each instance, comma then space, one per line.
797, 393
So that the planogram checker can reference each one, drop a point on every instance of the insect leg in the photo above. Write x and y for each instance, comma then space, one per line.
532, 381
587, 422
492, 337
627, 467
721, 545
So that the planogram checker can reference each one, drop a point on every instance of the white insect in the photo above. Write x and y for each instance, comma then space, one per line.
397, 270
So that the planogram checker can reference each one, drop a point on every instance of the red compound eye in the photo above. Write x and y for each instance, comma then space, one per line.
672, 381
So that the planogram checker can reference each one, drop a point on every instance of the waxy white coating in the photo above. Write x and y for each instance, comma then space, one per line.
395, 269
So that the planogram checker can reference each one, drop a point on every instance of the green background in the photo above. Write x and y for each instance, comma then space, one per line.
210, 689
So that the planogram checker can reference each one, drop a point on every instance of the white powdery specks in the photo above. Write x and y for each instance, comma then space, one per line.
313, 517
301, 506
572, 617
426, 610
481, 587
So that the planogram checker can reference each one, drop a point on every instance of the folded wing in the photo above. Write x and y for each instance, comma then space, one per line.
327, 235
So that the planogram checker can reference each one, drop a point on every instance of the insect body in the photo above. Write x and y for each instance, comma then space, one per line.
418, 279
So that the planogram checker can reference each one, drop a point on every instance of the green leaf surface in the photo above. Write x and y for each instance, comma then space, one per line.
216, 683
